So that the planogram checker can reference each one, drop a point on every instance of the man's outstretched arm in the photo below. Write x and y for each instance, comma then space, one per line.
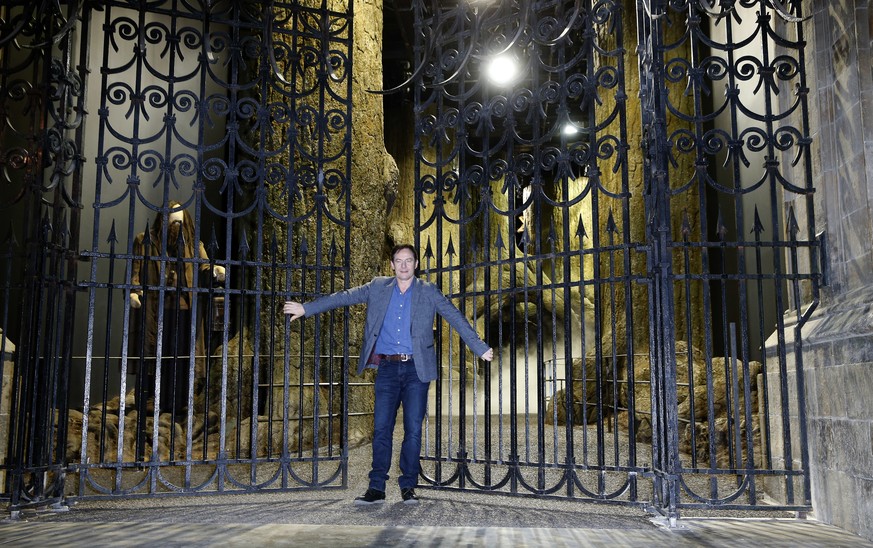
355, 295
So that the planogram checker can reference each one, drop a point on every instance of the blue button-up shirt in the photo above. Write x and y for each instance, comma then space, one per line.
396, 334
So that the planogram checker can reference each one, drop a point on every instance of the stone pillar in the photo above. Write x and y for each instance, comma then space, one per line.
838, 340
8, 368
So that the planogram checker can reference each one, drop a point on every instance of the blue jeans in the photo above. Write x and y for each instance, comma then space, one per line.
397, 383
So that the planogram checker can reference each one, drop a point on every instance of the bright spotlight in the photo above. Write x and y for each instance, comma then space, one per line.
570, 129
502, 70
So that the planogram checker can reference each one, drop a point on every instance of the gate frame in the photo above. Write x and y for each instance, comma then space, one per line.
60, 271
667, 469
38, 466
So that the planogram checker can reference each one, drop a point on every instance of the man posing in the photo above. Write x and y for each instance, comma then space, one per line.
398, 340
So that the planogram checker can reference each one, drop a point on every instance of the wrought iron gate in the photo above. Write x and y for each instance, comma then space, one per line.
628, 232
211, 184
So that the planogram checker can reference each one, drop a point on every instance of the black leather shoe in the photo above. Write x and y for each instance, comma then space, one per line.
409, 496
372, 496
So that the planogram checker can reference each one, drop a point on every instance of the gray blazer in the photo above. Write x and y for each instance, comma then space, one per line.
427, 300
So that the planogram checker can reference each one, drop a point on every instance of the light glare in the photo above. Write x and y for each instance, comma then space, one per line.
502, 70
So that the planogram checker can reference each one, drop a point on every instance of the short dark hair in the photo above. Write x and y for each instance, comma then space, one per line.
399, 247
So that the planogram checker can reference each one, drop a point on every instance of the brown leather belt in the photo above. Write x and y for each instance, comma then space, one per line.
395, 357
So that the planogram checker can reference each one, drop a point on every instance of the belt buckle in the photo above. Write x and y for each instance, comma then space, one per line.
405, 357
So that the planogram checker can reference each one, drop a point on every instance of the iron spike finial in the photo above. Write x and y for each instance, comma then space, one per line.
113, 238
525, 237
244, 244
498, 243
147, 236
213, 242
611, 225
758, 227
793, 226
180, 243
581, 233
428, 250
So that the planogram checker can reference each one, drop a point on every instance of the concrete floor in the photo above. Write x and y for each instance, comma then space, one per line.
443, 518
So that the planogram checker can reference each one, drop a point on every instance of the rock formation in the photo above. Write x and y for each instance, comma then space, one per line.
708, 427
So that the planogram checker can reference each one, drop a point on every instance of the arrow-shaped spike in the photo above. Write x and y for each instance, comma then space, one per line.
793, 227
113, 238
525, 237
332, 252
499, 245
244, 244
147, 237
428, 250
180, 244
610, 223
580, 229
758, 227
450, 250
213, 242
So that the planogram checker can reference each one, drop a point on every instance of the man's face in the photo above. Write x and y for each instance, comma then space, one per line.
404, 265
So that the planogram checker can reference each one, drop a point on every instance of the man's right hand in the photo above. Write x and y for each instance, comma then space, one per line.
134, 300
295, 309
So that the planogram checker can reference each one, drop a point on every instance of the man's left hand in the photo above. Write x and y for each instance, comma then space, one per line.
488, 355
219, 273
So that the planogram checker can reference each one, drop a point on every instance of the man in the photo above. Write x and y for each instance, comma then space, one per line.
398, 341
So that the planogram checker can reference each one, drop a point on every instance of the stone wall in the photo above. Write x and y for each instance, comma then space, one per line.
838, 340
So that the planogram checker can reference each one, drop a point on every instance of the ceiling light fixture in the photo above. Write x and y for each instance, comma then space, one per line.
570, 129
502, 70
